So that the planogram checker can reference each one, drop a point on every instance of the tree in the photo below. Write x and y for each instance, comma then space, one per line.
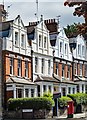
71, 30
79, 11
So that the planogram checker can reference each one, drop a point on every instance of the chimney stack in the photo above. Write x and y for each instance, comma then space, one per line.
2, 13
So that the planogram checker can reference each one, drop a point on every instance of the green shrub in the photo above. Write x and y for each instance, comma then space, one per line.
30, 103
63, 101
79, 98
47, 94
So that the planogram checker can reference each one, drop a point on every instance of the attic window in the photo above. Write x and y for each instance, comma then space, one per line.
45, 42
40, 41
16, 38
22, 41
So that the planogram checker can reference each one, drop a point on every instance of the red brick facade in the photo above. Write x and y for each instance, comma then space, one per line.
6, 67
66, 69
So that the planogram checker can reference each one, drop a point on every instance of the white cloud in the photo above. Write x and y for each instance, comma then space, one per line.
48, 8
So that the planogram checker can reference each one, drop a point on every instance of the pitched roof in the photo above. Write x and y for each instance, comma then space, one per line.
19, 81
41, 78
51, 25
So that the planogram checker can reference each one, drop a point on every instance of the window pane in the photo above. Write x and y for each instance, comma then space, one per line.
11, 65
45, 42
26, 68
49, 65
26, 92
16, 38
22, 41
32, 92
19, 67
40, 41
36, 64
63, 70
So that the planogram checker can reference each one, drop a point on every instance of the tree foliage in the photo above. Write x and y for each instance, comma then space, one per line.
71, 30
79, 98
81, 10
63, 101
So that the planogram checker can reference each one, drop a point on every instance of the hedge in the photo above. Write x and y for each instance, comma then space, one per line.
79, 98
30, 103
63, 101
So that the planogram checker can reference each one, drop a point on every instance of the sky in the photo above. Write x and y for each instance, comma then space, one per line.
50, 9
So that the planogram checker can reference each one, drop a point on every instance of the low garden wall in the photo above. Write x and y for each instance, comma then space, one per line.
34, 114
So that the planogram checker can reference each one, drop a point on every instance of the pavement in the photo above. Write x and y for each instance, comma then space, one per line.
80, 116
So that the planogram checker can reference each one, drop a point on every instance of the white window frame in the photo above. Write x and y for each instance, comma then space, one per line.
22, 40
44, 88
16, 38
40, 40
11, 65
32, 92
45, 42
26, 92
75, 68
68, 71
19, 67
83, 50
66, 48
56, 69
80, 69
63, 73
79, 49
36, 64
26, 68
49, 66
61, 47
43, 64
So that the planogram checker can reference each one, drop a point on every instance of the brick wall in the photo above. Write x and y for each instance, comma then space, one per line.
6, 62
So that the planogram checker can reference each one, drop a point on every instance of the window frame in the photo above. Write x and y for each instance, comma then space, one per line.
11, 65
19, 67
43, 64
16, 38
49, 66
40, 40
22, 40
26, 68
36, 64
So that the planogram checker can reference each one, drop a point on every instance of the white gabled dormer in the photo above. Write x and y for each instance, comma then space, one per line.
62, 49
41, 42
17, 40
80, 51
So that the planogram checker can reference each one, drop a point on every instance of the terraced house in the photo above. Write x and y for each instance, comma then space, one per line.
42, 56
37, 59
16, 51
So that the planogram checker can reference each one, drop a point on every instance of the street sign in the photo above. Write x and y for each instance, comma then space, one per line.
56, 95
27, 110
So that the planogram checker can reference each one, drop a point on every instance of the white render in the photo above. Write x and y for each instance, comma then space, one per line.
80, 41
66, 55
61, 37
41, 52
9, 42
